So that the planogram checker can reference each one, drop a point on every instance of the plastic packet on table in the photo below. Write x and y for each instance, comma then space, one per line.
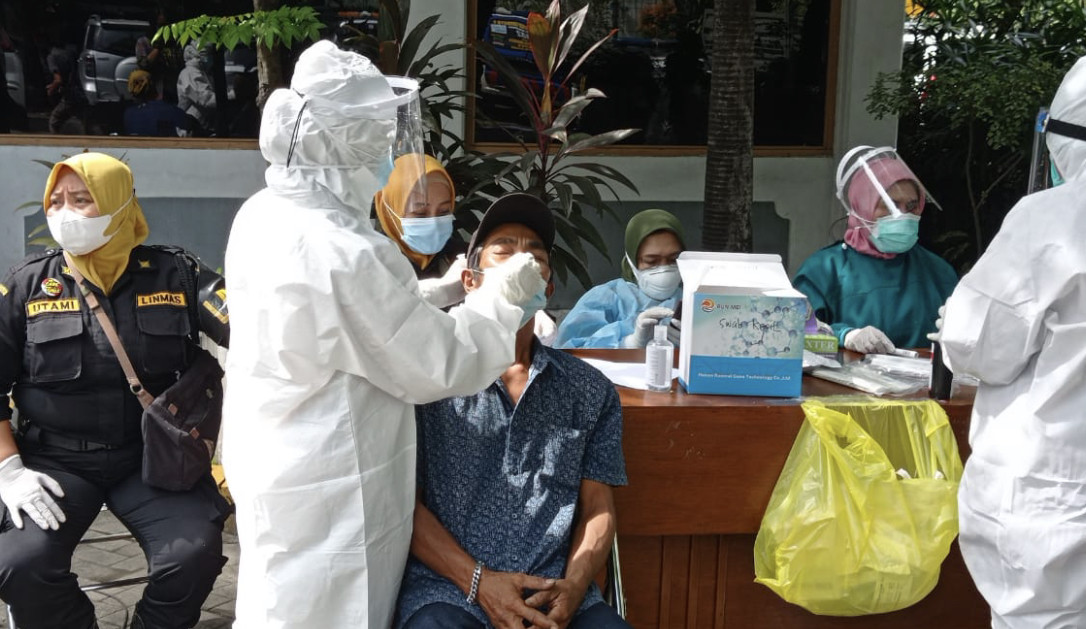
915, 368
863, 377
812, 360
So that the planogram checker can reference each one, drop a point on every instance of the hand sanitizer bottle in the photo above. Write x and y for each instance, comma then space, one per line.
659, 357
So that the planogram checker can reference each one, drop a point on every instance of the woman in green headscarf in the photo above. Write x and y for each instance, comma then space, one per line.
623, 312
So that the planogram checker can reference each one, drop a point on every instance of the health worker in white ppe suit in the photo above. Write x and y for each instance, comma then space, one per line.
1017, 321
334, 347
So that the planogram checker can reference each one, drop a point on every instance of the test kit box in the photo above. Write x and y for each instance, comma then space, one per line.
742, 325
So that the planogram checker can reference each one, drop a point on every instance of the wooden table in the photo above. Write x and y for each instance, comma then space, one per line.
701, 469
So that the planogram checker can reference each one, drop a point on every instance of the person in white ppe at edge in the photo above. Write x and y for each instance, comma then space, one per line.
333, 347
622, 313
1017, 321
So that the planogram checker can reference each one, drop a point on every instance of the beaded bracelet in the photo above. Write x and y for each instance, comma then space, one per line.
475, 576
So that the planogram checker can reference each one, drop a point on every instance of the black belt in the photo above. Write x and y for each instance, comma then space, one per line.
34, 434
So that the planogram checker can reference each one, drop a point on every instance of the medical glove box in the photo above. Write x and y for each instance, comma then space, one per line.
742, 325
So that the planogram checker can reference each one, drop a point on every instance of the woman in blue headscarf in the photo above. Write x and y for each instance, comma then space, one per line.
623, 312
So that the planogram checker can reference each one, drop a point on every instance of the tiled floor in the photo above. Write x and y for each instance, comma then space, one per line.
107, 561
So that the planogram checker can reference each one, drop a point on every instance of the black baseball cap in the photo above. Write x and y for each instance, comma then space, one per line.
516, 207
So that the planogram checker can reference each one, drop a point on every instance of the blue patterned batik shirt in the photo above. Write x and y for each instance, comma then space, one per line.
505, 480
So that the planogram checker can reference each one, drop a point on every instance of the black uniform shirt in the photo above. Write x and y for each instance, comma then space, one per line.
66, 376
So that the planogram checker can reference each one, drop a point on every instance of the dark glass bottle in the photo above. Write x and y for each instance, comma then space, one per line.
941, 377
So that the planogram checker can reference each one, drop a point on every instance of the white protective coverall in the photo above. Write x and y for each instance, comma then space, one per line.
195, 91
1017, 321
331, 347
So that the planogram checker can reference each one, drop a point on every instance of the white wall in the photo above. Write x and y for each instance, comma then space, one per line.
802, 188
158, 173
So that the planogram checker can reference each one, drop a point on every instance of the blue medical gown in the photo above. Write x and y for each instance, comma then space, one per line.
900, 296
606, 314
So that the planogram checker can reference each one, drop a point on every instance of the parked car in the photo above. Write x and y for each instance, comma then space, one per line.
108, 58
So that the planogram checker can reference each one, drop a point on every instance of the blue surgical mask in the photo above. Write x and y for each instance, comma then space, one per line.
535, 305
427, 235
384, 170
658, 282
895, 234
1057, 179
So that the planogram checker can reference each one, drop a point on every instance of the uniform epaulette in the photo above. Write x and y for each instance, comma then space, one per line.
177, 251
34, 257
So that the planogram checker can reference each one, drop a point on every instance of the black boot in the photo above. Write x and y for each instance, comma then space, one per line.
137, 622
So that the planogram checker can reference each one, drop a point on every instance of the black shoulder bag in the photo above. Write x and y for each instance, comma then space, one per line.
181, 425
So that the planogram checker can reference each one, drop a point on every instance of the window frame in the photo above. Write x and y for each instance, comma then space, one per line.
665, 150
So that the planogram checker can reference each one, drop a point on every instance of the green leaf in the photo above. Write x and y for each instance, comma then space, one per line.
588, 189
574, 265
602, 139
602, 169
571, 27
587, 53
527, 161
565, 195
416, 68
572, 239
37, 230
409, 47
510, 78
28, 204
390, 22
589, 232
231, 39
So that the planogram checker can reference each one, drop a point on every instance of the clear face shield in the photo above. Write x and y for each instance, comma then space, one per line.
880, 169
406, 149
1043, 173
1040, 164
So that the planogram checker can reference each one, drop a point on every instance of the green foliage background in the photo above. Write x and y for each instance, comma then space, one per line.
974, 74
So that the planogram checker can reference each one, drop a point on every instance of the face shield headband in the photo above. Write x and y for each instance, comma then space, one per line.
858, 163
1066, 129
1042, 170
407, 144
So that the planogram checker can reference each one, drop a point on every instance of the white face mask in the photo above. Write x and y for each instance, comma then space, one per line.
77, 234
658, 282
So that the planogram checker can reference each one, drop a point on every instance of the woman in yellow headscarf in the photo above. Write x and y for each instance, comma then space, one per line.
418, 217
78, 444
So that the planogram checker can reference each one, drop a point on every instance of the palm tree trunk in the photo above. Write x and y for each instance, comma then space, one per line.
729, 161
269, 66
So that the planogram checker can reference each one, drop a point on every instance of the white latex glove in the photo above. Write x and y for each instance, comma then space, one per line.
824, 328
868, 340
545, 329
446, 290
517, 280
646, 321
937, 335
23, 489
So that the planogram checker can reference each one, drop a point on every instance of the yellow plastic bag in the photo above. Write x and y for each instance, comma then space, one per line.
844, 533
